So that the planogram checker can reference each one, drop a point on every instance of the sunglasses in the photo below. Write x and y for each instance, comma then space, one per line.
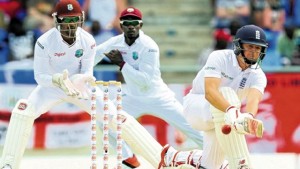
131, 22
70, 19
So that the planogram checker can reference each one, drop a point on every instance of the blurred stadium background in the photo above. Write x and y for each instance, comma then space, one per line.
183, 29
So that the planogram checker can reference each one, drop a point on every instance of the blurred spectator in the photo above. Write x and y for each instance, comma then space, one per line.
39, 16
257, 10
21, 41
13, 8
100, 36
286, 44
230, 9
99, 33
295, 60
3, 40
273, 60
106, 12
234, 25
268, 14
292, 12
222, 38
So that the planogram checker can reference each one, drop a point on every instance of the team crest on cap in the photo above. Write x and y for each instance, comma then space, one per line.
257, 34
79, 53
135, 55
130, 10
70, 7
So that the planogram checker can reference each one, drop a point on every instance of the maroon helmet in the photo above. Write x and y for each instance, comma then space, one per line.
68, 17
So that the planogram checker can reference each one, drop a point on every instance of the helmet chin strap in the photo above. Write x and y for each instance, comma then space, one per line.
248, 61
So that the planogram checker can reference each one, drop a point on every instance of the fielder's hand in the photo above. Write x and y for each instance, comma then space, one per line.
232, 113
81, 81
62, 81
115, 57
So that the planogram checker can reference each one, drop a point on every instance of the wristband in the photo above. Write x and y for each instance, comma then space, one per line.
121, 65
251, 114
229, 107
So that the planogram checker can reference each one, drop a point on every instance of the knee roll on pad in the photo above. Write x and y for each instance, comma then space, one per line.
24, 108
18, 133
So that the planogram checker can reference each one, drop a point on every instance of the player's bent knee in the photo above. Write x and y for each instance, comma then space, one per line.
24, 108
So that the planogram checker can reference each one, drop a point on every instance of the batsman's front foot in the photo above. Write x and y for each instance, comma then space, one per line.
131, 162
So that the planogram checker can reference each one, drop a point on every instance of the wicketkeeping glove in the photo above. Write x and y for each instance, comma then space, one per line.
62, 81
81, 81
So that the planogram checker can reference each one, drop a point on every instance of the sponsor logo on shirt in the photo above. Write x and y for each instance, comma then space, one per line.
226, 76
135, 55
60, 54
152, 50
79, 53
210, 68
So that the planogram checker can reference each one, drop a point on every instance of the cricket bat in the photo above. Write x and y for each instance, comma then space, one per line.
253, 126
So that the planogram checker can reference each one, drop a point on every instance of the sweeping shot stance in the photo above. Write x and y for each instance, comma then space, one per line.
137, 56
228, 78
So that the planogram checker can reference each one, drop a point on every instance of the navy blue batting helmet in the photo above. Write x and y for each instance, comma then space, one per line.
250, 34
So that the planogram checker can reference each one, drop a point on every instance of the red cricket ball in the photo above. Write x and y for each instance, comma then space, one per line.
226, 129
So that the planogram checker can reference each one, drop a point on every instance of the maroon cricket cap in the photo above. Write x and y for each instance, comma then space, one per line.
131, 11
68, 8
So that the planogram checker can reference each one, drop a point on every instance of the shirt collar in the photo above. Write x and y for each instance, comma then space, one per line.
141, 35
236, 64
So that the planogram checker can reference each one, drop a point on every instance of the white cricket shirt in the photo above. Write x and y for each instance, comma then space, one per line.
52, 55
223, 64
141, 71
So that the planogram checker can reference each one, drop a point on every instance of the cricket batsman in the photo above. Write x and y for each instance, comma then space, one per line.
213, 104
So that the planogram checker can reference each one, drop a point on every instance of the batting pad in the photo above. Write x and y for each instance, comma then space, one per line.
18, 133
233, 144
139, 139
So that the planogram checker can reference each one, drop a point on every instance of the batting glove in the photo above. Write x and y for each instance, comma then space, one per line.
239, 123
62, 81
232, 113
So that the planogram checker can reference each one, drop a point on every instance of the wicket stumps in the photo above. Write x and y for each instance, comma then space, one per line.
105, 128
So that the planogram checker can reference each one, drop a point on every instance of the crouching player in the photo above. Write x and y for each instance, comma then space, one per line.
229, 77
63, 65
